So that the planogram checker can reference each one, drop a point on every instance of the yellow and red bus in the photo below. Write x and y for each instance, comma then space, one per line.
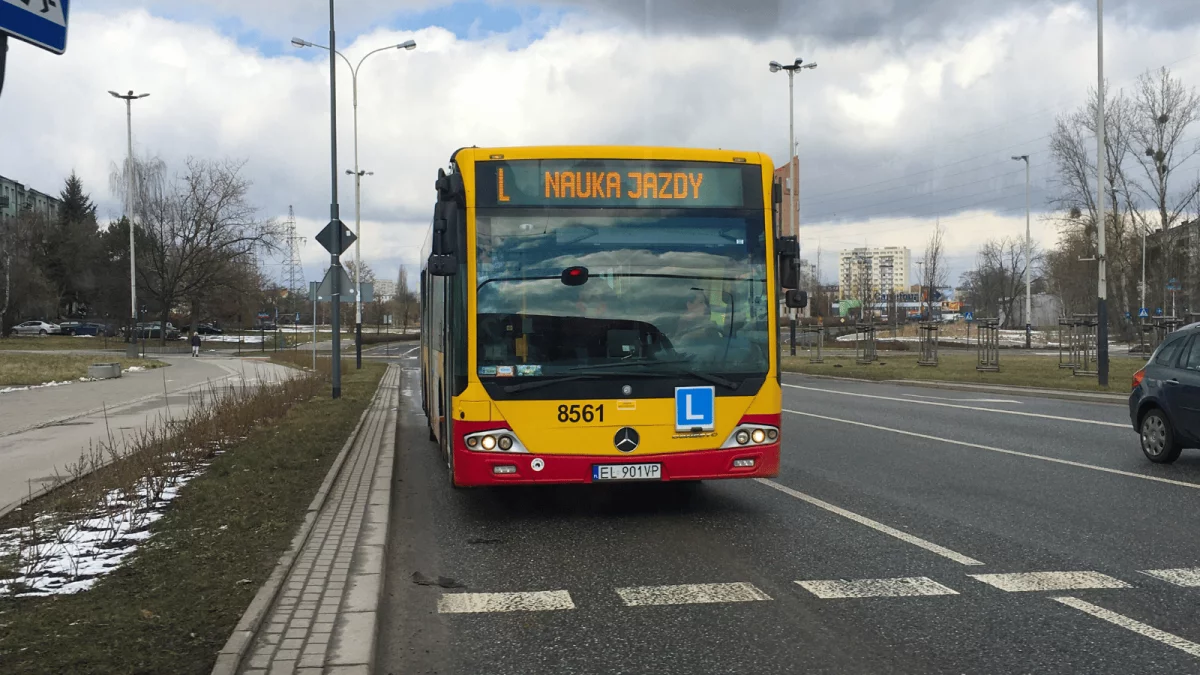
604, 313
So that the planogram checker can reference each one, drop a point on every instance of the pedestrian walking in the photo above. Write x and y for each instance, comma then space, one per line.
195, 343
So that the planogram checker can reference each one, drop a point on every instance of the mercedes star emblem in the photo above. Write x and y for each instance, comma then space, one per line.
626, 439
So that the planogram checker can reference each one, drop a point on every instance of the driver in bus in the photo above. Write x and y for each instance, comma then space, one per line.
696, 328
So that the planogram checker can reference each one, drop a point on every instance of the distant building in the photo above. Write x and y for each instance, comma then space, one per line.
787, 216
14, 197
385, 290
864, 273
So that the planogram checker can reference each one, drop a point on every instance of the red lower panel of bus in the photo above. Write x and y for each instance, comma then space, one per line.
481, 468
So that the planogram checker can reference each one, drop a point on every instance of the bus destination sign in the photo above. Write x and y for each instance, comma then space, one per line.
614, 184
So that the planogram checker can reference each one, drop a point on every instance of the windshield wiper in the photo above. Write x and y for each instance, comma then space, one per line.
526, 386
707, 377
626, 364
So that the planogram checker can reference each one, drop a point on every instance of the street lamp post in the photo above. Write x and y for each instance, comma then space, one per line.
1101, 220
131, 349
795, 205
358, 174
1028, 262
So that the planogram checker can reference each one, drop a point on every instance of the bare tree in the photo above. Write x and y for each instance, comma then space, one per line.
199, 229
997, 283
934, 273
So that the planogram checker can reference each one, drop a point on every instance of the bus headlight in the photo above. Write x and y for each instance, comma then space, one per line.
749, 435
494, 440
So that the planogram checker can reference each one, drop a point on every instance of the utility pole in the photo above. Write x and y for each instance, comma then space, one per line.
292, 266
1101, 225
335, 264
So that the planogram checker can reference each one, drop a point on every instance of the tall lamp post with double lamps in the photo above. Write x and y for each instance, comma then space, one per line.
131, 350
799, 64
358, 174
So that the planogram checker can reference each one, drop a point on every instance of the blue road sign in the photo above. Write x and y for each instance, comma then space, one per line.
695, 408
1143, 314
1158, 311
969, 316
42, 23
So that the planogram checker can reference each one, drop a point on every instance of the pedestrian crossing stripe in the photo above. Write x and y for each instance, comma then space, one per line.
476, 603
1188, 577
875, 588
690, 594
1020, 582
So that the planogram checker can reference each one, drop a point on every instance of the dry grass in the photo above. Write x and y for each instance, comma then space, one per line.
59, 343
17, 369
1015, 370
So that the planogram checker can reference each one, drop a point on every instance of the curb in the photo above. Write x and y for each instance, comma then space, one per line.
1082, 396
229, 659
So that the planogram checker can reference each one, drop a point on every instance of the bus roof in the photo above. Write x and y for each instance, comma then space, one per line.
474, 154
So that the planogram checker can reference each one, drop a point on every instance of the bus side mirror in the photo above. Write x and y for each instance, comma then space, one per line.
443, 259
787, 250
795, 299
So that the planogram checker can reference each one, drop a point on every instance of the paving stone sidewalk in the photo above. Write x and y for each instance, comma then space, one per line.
323, 619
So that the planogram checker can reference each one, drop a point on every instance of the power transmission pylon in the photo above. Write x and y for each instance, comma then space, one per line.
293, 272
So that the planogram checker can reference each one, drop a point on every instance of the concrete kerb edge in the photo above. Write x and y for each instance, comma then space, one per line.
45, 489
1081, 396
229, 659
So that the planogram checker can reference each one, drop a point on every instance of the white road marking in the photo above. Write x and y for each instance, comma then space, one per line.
998, 411
876, 588
410, 351
1134, 625
880, 527
1020, 582
1015, 453
534, 601
965, 400
1188, 577
690, 594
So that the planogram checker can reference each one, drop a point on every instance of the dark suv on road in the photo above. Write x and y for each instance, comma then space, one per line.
1165, 404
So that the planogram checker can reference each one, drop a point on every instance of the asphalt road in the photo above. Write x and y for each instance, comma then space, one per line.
870, 553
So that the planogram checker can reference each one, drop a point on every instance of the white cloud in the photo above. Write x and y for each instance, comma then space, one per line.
885, 131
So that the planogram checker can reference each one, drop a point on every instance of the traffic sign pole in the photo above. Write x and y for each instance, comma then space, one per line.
335, 222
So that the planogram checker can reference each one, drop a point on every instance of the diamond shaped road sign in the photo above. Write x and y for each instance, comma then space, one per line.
325, 236
39, 22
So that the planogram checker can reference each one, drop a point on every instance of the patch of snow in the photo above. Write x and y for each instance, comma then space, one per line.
71, 557
9, 390
245, 339
134, 369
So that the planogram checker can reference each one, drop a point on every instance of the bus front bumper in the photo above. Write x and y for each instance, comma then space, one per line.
479, 468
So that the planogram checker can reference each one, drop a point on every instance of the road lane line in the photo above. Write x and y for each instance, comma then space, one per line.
1134, 625
690, 594
875, 588
1022, 582
1015, 453
1188, 577
998, 411
474, 603
875, 525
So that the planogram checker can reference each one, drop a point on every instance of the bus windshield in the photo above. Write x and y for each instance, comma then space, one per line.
661, 288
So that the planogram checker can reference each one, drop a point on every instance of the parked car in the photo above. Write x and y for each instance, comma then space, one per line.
70, 327
204, 329
154, 330
36, 328
1165, 403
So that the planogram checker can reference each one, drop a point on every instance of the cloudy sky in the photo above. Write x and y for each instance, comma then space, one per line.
911, 116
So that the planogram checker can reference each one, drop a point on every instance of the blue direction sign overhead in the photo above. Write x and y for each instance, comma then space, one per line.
42, 23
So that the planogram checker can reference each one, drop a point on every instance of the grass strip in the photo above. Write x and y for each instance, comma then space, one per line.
172, 606
1015, 370
20, 369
